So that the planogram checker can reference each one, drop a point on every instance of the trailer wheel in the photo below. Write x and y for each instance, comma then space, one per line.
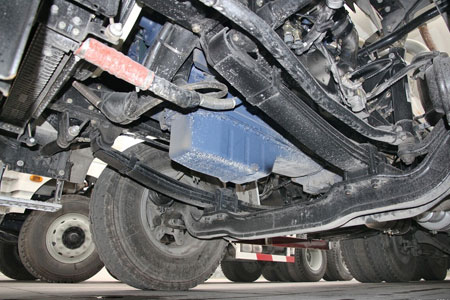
241, 271
336, 268
10, 264
282, 270
433, 268
58, 247
270, 272
309, 266
135, 240
379, 258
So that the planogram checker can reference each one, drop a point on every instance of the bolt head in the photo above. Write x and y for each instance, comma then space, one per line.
62, 25
116, 29
61, 172
54, 9
76, 20
20, 163
196, 28
348, 190
74, 130
75, 31
209, 2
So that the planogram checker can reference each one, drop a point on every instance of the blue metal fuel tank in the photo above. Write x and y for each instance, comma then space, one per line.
234, 146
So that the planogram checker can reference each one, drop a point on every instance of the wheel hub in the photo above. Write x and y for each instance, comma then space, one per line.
73, 237
69, 238
314, 259
166, 229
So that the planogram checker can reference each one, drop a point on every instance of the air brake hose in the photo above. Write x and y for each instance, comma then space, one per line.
123, 67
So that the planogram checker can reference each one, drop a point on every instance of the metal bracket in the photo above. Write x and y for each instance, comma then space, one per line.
29, 204
59, 190
226, 200
2, 171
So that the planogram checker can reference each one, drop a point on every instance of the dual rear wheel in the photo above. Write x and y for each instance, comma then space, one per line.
309, 266
383, 258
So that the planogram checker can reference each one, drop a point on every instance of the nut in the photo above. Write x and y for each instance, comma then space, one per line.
116, 29
76, 20
54, 9
62, 25
75, 31
74, 130
196, 28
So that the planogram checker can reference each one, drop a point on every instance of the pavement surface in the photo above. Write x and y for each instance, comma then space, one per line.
102, 286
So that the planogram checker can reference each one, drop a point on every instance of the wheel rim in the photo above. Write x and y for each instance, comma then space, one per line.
164, 225
314, 259
69, 239
172, 241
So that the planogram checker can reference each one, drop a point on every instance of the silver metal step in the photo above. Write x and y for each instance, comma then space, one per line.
29, 204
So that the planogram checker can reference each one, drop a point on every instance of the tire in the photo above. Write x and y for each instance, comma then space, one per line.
336, 268
241, 271
309, 266
270, 272
10, 264
434, 268
58, 247
282, 272
133, 241
111, 274
379, 258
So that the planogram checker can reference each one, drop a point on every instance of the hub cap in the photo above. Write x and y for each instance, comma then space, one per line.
69, 239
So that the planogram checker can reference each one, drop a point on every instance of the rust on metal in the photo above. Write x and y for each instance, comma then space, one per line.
426, 36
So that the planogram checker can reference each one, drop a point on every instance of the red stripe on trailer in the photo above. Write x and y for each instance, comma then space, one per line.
264, 257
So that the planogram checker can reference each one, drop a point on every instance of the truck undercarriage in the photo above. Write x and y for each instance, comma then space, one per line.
258, 119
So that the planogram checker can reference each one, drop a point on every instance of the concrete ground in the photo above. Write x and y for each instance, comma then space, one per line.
102, 286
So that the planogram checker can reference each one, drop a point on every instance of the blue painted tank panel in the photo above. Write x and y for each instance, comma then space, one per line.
235, 146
